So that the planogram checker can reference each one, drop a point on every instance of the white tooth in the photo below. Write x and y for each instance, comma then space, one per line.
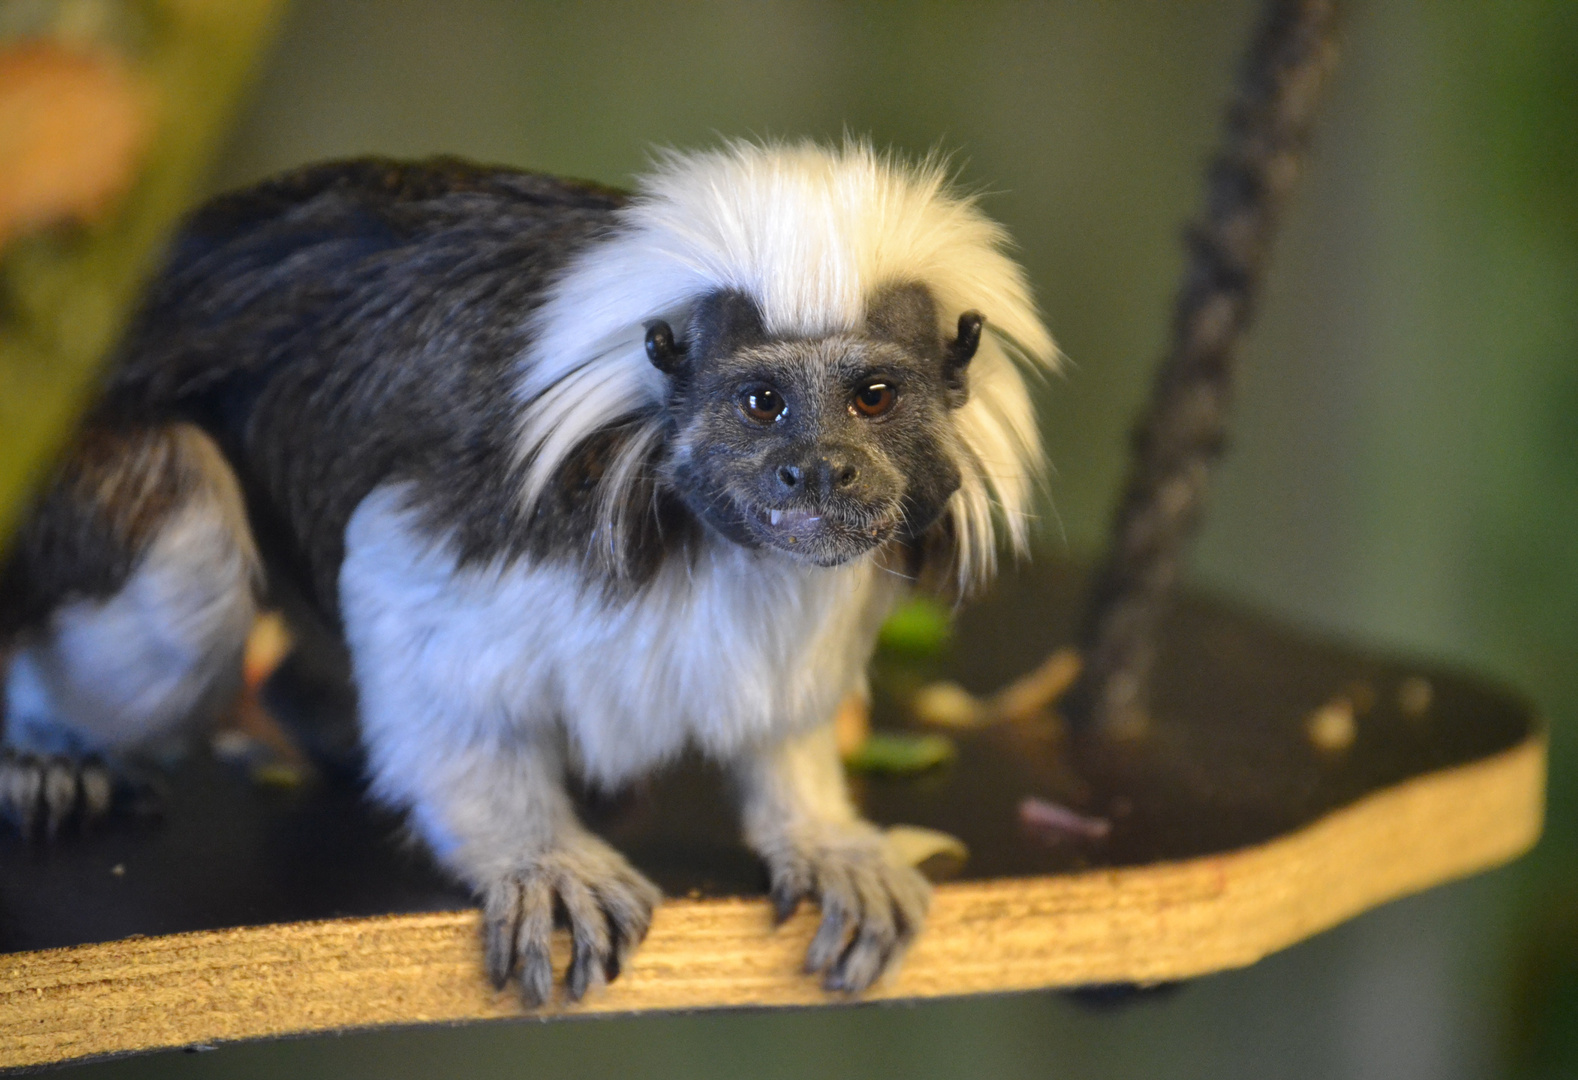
775, 516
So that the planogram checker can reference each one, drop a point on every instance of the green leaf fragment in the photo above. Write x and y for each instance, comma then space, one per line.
900, 754
919, 628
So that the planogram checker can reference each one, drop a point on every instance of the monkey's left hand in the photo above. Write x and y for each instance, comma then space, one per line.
872, 904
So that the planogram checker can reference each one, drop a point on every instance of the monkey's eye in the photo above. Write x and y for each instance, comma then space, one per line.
873, 399
763, 404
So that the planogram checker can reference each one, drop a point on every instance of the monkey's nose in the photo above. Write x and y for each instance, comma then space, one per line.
789, 477
835, 473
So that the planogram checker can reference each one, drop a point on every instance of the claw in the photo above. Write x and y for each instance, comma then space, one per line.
583, 964
785, 903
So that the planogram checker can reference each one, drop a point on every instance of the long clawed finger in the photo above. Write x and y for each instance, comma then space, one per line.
840, 912
501, 929
790, 885
532, 940
873, 942
590, 944
627, 907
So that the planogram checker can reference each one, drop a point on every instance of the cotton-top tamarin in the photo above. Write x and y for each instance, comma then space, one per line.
583, 479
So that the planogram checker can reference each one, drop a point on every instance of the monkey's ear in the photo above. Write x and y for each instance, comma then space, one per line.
959, 353
666, 354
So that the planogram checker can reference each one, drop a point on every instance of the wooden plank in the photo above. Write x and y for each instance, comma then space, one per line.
1158, 922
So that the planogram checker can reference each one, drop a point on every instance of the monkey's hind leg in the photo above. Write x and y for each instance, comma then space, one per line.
124, 608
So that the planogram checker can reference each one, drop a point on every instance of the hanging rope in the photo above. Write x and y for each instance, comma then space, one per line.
1181, 432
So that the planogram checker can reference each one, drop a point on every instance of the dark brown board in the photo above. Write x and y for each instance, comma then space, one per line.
1227, 764
1216, 812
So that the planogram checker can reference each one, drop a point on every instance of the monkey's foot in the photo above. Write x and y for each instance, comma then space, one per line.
40, 795
606, 902
872, 904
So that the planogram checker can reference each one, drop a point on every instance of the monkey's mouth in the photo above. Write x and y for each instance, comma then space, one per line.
789, 521
818, 535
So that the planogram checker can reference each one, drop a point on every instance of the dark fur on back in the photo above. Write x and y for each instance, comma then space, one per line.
361, 322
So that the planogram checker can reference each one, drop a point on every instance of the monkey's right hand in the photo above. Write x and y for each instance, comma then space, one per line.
606, 902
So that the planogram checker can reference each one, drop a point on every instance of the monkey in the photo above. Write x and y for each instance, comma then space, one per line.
582, 478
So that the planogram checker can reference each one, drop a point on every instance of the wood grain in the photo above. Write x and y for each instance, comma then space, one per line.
1138, 924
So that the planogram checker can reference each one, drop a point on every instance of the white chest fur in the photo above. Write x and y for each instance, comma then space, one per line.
732, 649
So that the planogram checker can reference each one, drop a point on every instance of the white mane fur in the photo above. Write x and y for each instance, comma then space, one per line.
811, 233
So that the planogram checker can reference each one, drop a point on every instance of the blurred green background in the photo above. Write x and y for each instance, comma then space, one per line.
1403, 473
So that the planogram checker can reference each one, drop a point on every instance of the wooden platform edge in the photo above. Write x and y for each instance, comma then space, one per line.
1143, 924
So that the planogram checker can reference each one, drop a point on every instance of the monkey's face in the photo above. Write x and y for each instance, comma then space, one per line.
822, 448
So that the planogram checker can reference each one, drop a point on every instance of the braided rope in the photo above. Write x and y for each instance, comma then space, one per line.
1181, 432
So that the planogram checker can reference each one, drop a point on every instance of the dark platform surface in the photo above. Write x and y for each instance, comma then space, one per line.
1227, 764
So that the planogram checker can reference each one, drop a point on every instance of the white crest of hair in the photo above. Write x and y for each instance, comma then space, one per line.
812, 234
